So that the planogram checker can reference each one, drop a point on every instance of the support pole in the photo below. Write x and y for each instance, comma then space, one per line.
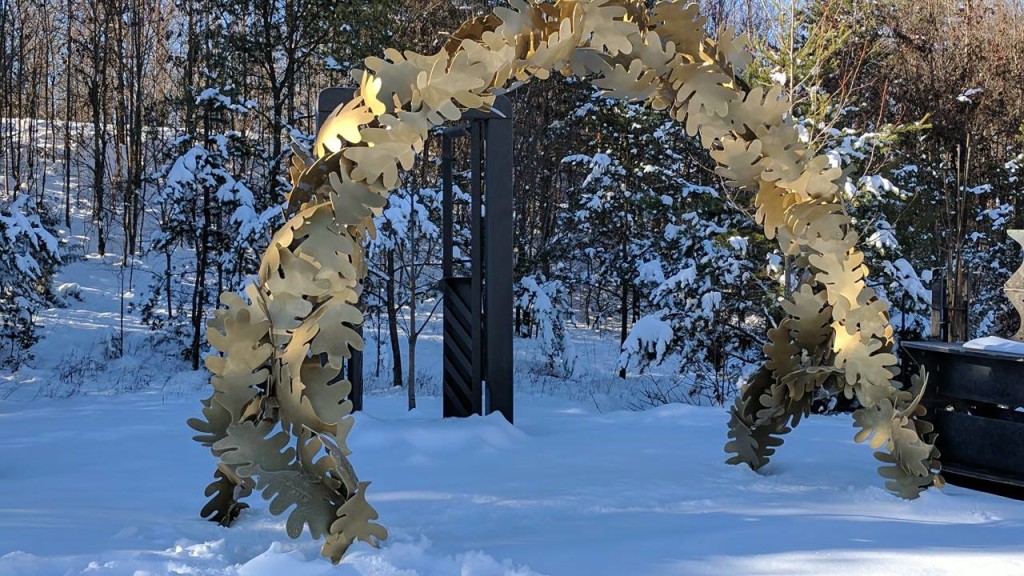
498, 251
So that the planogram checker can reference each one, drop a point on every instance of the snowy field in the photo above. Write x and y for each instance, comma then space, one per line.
112, 485
99, 476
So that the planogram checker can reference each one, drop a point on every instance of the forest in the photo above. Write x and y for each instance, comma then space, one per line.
158, 133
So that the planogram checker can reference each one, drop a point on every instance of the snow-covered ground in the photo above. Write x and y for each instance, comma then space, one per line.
99, 476
112, 485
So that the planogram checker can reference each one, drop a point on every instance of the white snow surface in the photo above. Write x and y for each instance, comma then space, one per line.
99, 476
112, 485
996, 344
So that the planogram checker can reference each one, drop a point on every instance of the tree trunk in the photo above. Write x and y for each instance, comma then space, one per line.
411, 382
392, 311
623, 320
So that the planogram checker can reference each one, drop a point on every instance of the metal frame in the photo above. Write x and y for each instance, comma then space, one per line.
485, 384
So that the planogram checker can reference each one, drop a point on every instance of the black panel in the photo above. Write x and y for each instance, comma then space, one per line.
972, 398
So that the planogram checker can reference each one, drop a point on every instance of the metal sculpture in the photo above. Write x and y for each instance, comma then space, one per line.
283, 347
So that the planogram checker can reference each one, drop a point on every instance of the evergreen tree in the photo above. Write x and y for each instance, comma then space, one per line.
31, 256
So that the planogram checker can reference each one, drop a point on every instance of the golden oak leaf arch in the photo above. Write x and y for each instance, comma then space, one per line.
278, 417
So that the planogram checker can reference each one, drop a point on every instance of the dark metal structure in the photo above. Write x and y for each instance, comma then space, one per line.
974, 398
477, 308
949, 322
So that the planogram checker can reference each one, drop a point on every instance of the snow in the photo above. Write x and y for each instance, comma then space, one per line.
884, 237
112, 485
739, 243
907, 278
651, 271
996, 344
69, 290
17, 224
649, 337
966, 96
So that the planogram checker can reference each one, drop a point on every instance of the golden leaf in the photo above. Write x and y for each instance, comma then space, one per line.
606, 29
516, 21
759, 110
312, 179
863, 363
369, 88
472, 31
843, 275
730, 51
637, 83
772, 205
498, 61
556, 51
338, 321
215, 427
293, 276
740, 162
901, 483
704, 92
869, 316
398, 74
818, 180
409, 129
342, 125
287, 311
811, 317
380, 163
225, 505
819, 219
327, 392
876, 424
912, 454
656, 54
680, 22
297, 412
326, 243
251, 448
355, 202
354, 522
301, 159
783, 355
781, 144
590, 62
449, 82
802, 383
